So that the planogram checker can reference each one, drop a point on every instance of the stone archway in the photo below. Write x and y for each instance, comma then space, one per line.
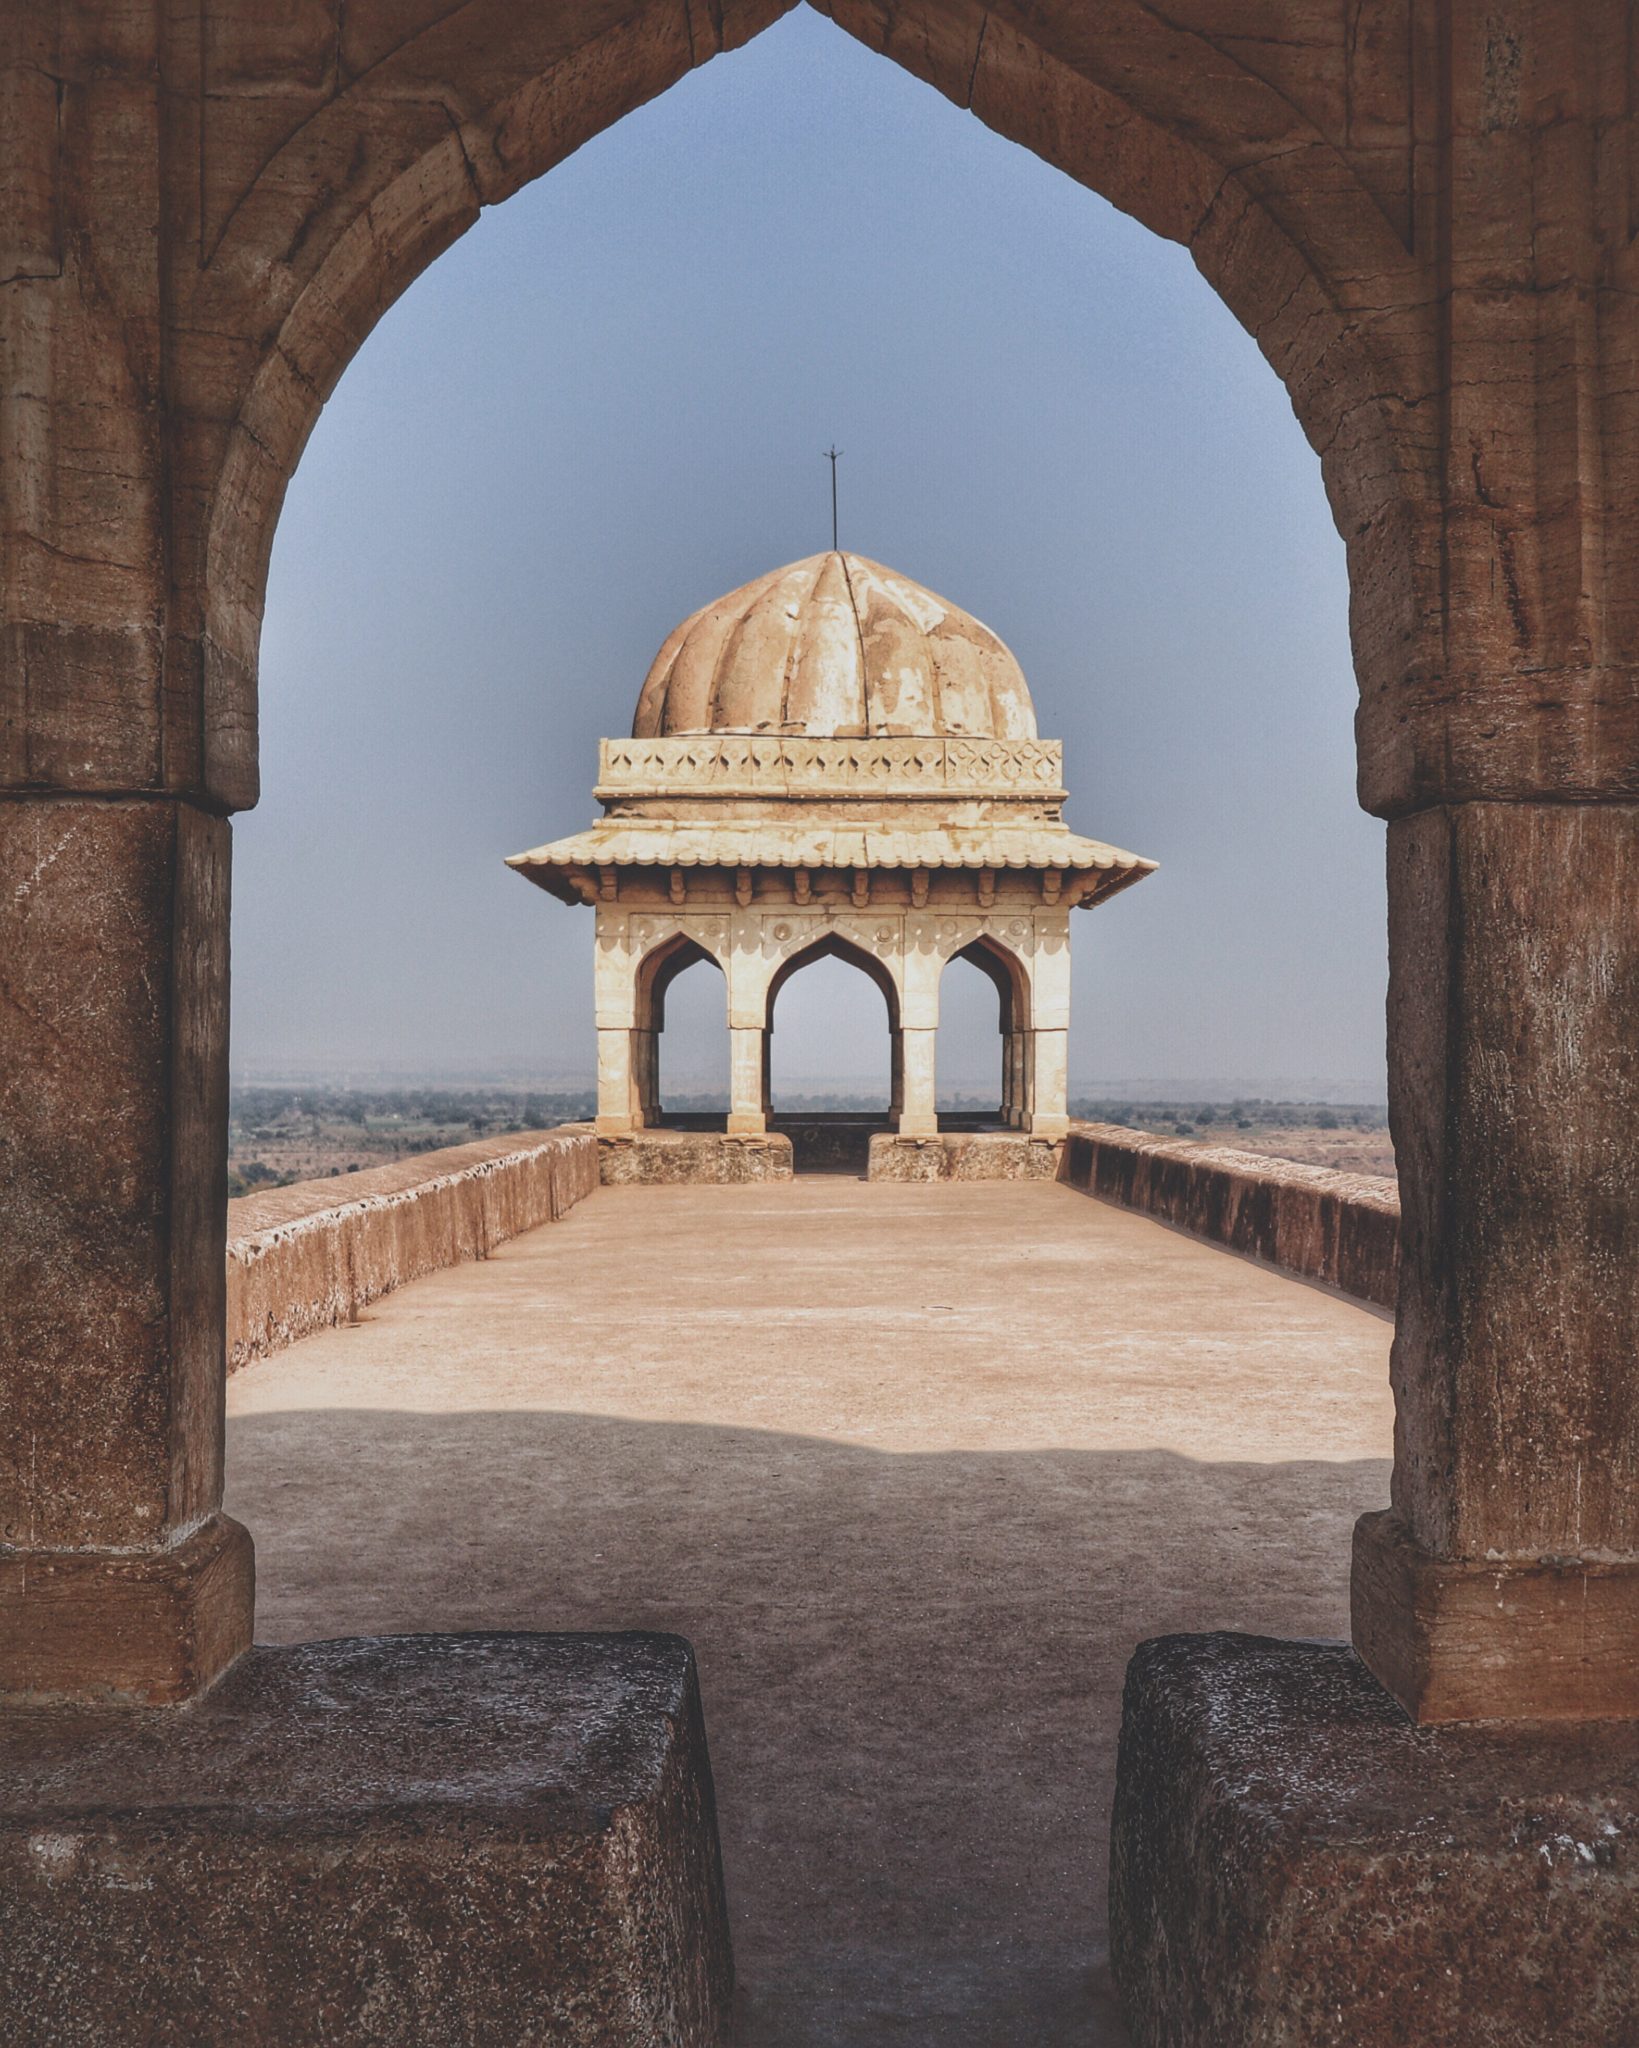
1286, 226
1426, 218
835, 945
655, 975
1010, 978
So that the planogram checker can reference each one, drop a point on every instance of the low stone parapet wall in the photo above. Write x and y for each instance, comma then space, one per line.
1342, 1228
306, 1257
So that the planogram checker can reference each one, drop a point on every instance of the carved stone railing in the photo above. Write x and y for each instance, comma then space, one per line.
728, 765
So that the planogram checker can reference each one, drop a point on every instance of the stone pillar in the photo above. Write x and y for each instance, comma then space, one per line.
1021, 1080
646, 1075
745, 1101
1047, 1037
1013, 1079
917, 1117
120, 1578
652, 1107
1049, 1069
1504, 1582
619, 1104
896, 1073
614, 981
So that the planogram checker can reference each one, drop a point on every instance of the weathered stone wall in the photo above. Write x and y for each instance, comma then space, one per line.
1343, 1228
306, 1257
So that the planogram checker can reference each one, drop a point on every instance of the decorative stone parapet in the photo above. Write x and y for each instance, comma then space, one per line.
712, 764
306, 1257
1342, 1228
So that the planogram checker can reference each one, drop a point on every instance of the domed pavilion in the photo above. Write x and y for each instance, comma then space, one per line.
833, 760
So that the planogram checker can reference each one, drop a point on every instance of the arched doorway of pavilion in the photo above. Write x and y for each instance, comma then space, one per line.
979, 1085
691, 1091
828, 1136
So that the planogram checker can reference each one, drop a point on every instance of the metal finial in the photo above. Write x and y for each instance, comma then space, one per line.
831, 455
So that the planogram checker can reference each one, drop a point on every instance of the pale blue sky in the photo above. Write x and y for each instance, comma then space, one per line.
607, 404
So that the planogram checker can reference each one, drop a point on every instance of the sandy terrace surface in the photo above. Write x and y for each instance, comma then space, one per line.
913, 1468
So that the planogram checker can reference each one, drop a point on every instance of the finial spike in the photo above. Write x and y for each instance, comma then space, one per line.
831, 455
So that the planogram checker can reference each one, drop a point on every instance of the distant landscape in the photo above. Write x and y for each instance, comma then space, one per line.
278, 1134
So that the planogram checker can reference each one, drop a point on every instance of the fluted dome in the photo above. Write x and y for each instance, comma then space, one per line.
835, 647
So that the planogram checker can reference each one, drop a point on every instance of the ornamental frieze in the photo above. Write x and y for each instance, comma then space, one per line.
725, 765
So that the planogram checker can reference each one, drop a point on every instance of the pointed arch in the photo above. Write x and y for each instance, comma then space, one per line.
836, 946
1009, 975
655, 973
371, 177
1007, 972
659, 968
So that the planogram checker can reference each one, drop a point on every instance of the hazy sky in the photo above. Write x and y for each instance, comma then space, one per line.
607, 405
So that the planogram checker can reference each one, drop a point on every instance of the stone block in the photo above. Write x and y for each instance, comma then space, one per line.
482, 1839
1494, 1639
1295, 1863
147, 1626
964, 1155
709, 1158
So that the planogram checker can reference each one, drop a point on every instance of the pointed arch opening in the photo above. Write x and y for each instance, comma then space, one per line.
968, 1100
828, 1132
696, 1064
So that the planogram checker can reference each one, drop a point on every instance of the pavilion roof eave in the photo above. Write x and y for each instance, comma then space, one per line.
618, 843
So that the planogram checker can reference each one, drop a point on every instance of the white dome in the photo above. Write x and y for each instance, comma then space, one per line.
835, 647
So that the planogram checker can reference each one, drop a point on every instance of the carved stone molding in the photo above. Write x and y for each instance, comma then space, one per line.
716, 764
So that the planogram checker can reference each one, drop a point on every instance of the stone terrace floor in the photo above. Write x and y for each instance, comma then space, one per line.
914, 1467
